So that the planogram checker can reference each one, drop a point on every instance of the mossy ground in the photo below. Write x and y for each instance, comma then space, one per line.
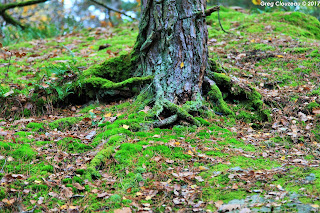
107, 150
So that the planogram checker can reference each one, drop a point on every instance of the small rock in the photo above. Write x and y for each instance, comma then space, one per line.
91, 135
73, 109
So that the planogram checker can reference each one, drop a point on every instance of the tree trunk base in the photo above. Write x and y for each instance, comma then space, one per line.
113, 80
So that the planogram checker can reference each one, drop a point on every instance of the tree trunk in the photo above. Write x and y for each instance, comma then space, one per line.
172, 46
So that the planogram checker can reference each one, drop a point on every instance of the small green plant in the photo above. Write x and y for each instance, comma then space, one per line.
9, 54
63, 78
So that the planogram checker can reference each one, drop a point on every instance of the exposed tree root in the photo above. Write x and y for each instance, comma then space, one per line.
165, 122
103, 83
176, 111
181, 112
234, 88
216, 97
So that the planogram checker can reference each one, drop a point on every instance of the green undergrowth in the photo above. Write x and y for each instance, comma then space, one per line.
126, 148
18, 151
135, 152
73, 145
294, 24
126, 151
64, 123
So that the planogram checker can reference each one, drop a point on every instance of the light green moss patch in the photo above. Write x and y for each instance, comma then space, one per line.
73, 145
35, 126
126, 152
118, 69
18, 151
256, 163
299, 20
64, 123
313, 105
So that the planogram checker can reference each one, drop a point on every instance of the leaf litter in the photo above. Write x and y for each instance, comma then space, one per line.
290, 140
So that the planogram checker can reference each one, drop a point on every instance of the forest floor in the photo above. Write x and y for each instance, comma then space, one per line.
231, 164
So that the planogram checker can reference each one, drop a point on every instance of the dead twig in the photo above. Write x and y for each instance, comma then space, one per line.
112, 9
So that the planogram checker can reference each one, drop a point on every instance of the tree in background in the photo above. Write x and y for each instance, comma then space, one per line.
28, 19
9, 19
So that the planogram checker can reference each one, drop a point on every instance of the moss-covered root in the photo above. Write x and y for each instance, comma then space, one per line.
216, 97
166, 121
237, 88
112, 76
103, 83
177, 113
98, 160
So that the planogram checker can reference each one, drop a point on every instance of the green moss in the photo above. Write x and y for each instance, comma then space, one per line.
110, 76
103, 83
313, 105
110, 130
258, 163
6, 146
116, 139
77, 179
179, 130
64, 123
291, 23
127, 150
216, 96
88, 108
203, 134
48, 168
73, 145
35, 126
27, 112
80, 171
118, 69
97, 161
67, 180
298, 49
301, 20
24, 152
223, 195
216, 153
263, 47
23, 134
203, 121
315, 53
39, 187
2, 193
115, 198
249, 96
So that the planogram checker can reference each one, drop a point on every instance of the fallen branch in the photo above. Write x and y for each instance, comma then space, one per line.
208, 12
112, 9
9, 19
4, 7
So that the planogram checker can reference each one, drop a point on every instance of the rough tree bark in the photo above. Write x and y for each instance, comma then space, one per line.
172, 46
